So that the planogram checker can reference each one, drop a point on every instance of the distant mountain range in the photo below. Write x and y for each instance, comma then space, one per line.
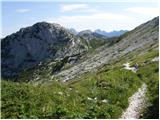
110, 34
113, 33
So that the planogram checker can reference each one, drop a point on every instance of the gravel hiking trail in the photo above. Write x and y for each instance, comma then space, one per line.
136, 103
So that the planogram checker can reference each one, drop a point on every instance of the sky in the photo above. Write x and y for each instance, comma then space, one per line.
96, 14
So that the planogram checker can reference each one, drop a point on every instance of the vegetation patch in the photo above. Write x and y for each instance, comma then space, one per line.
102, 94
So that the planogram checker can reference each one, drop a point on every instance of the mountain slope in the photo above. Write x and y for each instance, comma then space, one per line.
32, 45
103, 94
139, 40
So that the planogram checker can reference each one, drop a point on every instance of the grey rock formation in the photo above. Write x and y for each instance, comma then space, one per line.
29, 46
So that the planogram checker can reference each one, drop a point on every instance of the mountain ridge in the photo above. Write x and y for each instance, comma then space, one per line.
129, 42
114, 49
33, 44
113, 33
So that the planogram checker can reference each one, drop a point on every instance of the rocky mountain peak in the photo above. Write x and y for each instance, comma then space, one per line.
41, 41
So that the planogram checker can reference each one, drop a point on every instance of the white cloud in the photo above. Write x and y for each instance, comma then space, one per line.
71, 7
22, 10
106, 21
92, 17
144, 10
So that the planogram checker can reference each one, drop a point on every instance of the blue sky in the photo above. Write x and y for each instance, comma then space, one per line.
105, 15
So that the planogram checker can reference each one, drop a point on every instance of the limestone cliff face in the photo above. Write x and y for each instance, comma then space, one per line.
29, 46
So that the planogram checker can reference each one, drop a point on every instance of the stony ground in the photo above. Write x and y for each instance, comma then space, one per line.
136, 104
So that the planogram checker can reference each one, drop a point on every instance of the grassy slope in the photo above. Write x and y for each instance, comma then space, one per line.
149, 74
56, 100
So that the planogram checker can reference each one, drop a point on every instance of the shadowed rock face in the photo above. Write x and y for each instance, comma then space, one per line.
29, 46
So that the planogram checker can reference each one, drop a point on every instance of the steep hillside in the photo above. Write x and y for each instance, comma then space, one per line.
32, 45
140, 40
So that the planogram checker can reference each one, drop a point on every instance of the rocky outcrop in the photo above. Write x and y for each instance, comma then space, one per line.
32, 45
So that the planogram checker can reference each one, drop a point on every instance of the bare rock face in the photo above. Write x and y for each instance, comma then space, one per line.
29, 46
